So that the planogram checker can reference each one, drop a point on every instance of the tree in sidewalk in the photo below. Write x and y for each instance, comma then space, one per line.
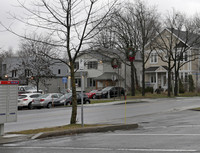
69, 23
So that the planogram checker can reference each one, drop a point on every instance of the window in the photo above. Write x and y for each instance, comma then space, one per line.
186, 77
182, 56
164, 80
76, 65
4, 67
186, 56
78, 82
91, 82
14, 73
92, 65
27, 72
181, 76
154, 58
59, 71
153, 78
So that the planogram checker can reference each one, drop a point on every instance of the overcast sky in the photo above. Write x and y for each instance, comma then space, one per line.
8, 40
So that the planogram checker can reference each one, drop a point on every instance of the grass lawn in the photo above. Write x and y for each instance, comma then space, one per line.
57, 128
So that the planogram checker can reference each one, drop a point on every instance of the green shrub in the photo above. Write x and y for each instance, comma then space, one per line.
191, 84
181, 87
149, 89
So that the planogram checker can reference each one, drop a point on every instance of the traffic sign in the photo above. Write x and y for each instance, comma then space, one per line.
64, 80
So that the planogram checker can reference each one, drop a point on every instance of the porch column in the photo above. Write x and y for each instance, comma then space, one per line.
83, 79
156, 80
167, 79
69, 82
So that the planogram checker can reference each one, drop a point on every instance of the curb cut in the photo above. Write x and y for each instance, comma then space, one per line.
86, 130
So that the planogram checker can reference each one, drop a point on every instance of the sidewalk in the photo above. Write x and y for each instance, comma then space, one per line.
12, 138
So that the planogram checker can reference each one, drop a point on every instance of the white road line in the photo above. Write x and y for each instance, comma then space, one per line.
155, 134
106, 149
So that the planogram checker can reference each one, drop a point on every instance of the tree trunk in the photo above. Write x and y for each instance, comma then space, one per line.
74, 101
132, 80
136, 79
37, 83
176, 84
169, 79
143, 78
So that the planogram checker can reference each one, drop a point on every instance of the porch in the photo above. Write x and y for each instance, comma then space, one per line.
156, 77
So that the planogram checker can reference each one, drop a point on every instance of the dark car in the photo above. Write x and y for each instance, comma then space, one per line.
68, 99
110, 91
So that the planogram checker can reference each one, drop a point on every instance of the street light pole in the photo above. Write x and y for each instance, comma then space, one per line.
81, 68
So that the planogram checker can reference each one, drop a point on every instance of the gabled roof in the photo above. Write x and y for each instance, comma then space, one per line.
156, 68
189, 38
109, 76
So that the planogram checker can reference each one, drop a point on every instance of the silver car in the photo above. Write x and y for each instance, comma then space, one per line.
25, 100
46, 100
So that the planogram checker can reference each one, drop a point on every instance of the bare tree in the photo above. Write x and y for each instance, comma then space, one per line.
69, 22
130, 27
35, 67
174, 44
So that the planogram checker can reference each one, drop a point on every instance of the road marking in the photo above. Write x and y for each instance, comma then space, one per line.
154, 134
105, 149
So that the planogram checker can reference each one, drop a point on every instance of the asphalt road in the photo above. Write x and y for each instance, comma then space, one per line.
164, 126
100, 113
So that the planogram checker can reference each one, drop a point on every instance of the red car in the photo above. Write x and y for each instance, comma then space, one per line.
92, 94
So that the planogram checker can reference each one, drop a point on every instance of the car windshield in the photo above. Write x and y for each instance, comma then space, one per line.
44, 96
22, 96
29, 88
106, 89
93, 91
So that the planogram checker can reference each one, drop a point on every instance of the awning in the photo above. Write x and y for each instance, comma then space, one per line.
111, 76
78, 74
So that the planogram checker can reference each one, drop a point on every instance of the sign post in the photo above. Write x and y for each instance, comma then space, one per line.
64, 80
8, 103
81, 68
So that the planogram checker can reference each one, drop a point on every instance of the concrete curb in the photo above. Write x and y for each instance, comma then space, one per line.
86, 130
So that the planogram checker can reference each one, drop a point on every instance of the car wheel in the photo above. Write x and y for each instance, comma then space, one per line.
94, 97
87, 102
30, 106
49, 105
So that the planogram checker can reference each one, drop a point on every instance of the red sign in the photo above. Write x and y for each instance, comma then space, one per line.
9, 82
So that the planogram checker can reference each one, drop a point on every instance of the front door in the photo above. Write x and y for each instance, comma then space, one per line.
164, 81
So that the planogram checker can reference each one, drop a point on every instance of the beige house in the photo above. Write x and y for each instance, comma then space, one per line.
184, 46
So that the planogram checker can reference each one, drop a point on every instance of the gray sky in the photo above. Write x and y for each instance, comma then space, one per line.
8, 40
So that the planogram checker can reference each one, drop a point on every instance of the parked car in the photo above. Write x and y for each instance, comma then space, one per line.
92, 94
46, 100
25, 100
110, 90
62, 99
28, 89
65, 91
68, 99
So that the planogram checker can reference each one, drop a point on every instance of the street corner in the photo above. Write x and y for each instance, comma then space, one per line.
11, 138
106, 128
